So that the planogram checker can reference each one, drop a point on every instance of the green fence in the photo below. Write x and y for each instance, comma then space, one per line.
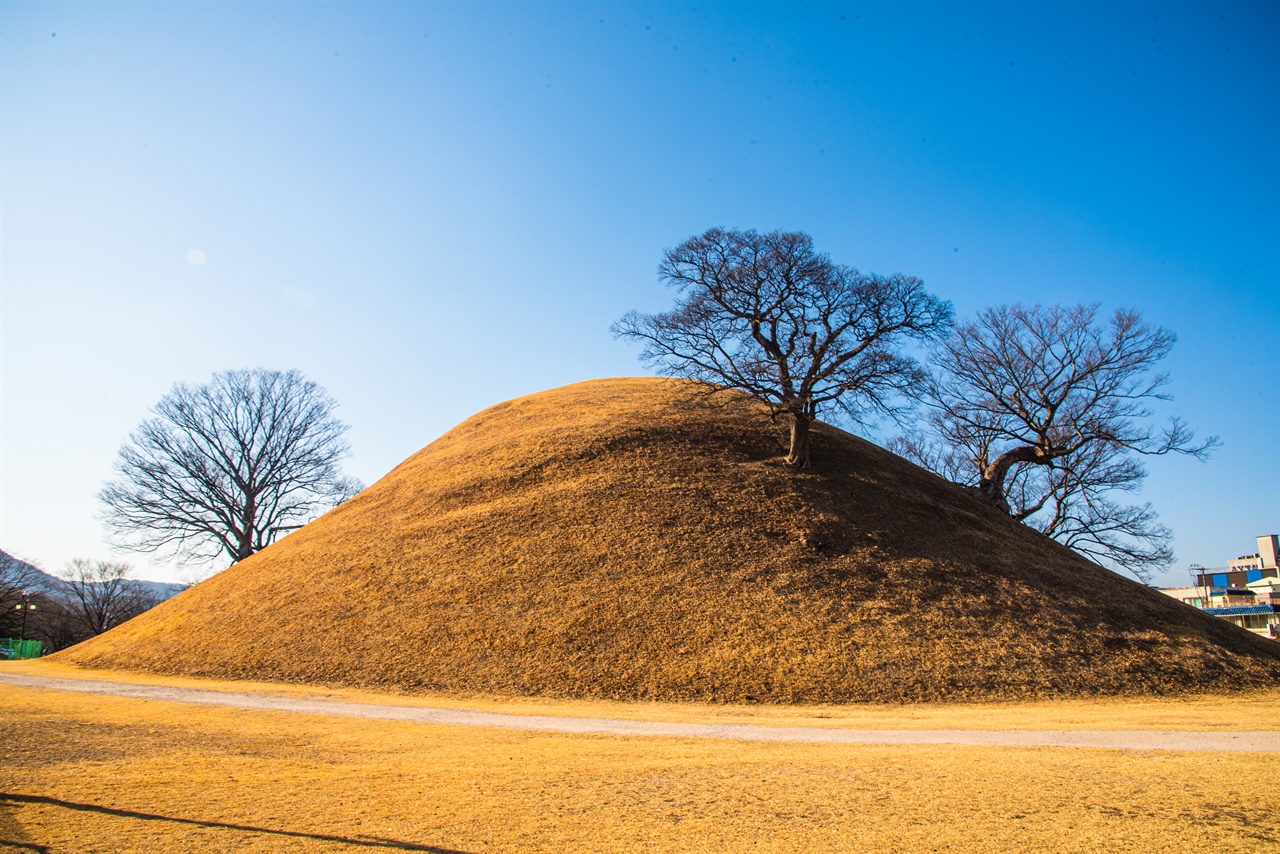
11, 649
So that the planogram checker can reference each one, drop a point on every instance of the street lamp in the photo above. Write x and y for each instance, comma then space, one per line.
24, 606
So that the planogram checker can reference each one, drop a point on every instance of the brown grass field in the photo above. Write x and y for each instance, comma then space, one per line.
83, 773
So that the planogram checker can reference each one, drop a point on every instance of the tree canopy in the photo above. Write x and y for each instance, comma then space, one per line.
224, 466
770, 315
100, 595
1046, 409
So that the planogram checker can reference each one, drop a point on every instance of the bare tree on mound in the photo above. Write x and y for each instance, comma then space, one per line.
224, 466
770, 315
99, 595
1043, 409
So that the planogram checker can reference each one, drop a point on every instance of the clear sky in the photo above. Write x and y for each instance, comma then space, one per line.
429, 208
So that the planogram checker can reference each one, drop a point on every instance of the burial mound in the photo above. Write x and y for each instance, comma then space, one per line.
628, 539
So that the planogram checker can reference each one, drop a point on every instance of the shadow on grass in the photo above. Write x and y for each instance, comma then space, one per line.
12, 835
364, 841
8, 844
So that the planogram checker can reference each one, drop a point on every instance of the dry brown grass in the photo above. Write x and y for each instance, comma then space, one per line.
82, 773
1233, 711
619, 539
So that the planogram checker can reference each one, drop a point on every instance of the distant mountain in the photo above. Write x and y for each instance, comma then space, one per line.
18, 573
163, 589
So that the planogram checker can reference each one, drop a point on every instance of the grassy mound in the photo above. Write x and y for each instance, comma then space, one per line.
623, 539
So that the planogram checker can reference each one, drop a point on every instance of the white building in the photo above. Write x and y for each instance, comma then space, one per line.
1246, 592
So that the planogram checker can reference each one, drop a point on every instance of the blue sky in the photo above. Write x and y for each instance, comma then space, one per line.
429, 208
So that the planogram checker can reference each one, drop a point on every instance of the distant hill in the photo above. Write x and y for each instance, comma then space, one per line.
626, 539
15, 572
40, 581
162, 589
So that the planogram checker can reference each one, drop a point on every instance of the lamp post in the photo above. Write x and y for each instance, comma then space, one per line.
24, 606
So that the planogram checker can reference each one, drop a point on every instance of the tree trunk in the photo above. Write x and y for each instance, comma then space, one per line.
798, 455
992, 490
991, 482
244, 548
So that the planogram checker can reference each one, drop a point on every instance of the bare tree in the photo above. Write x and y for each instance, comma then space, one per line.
1043, 383
18, 579
1070, 501
56, 624
100, 595
222, 467
1043, 409
768, 314
17, 575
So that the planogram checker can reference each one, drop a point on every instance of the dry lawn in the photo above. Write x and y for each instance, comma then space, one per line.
82, 773
1210, 712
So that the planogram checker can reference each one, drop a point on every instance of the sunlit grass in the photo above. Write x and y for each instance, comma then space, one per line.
1245, 710
88, 773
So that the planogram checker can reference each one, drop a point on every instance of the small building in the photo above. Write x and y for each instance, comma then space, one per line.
1245, 592
1262, 619
1266, 590
1267, 557
1246, 568
1212, 597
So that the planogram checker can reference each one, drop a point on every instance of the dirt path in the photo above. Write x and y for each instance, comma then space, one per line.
1183, 740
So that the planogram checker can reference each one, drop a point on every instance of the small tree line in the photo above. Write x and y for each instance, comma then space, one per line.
85, 599
222, 467
1045, 411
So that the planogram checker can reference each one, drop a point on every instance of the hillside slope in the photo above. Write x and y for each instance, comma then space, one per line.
621, 538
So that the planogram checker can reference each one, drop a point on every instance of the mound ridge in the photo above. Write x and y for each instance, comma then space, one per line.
628, 539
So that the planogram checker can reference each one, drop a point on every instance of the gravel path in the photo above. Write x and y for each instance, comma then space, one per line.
1251, 741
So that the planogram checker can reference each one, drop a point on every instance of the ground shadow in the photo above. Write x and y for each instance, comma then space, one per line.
9, 844
363, 841
12, 835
